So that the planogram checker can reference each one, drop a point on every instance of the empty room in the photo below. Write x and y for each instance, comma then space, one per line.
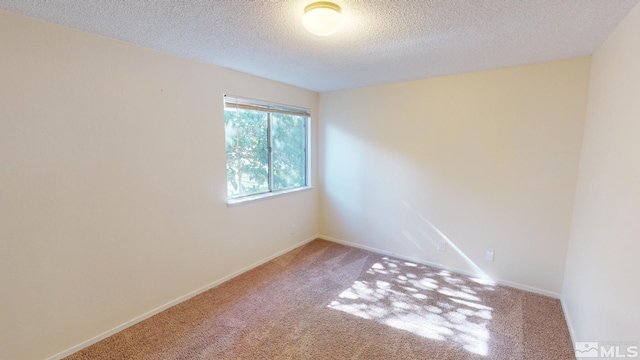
248, 179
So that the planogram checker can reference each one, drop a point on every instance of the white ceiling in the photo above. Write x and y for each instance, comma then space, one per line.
380, 42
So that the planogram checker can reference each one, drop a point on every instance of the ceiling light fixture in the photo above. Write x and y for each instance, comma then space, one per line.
322, 18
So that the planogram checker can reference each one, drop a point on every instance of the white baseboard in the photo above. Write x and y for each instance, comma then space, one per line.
213, 284
443, 267
161, 308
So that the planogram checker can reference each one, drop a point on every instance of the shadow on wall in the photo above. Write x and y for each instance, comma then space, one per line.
431, 303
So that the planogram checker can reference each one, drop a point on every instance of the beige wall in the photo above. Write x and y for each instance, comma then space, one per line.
601, 292
485, 160
112, 184
112, 181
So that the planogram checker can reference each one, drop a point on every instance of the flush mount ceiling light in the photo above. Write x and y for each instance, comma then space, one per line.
322, 18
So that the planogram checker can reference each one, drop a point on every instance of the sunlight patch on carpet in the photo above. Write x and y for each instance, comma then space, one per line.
432, 304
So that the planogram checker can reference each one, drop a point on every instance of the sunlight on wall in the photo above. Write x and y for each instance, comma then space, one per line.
432, 304
476, 269
489, 158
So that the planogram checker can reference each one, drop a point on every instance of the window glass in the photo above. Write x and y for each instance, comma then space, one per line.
288, 151
247, 152
266, 147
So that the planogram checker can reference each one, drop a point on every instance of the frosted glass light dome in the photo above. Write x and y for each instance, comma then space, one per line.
322, 18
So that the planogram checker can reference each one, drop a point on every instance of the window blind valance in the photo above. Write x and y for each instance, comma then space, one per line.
235, 102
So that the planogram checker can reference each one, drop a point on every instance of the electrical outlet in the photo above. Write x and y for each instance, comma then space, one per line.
489, 256
293, 229
442, 245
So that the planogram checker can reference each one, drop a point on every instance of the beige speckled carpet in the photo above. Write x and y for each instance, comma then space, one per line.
328, 301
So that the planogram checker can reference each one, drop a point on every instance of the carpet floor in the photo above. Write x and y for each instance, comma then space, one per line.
329, 301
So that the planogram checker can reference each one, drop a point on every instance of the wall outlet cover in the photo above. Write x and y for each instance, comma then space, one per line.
489, 256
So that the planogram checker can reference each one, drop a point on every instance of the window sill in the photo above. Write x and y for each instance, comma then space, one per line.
253, 198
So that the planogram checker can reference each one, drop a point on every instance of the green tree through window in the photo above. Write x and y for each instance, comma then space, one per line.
266, 147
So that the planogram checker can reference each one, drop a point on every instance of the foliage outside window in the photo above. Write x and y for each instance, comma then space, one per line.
266, 147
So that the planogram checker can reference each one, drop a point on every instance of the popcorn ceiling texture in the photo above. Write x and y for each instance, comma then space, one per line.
380, 42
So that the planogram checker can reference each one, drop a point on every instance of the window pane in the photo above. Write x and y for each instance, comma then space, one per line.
288, 135
247, 152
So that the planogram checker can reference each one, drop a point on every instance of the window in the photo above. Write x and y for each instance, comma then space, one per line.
266, 147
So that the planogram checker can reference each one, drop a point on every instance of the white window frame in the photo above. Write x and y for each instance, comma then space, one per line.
231, 101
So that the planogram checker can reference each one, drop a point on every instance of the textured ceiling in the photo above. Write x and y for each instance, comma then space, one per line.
380, 41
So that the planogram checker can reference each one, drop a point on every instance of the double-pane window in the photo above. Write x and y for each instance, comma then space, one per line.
266, 147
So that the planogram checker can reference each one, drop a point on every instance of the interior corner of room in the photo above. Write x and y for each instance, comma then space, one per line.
113, 189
